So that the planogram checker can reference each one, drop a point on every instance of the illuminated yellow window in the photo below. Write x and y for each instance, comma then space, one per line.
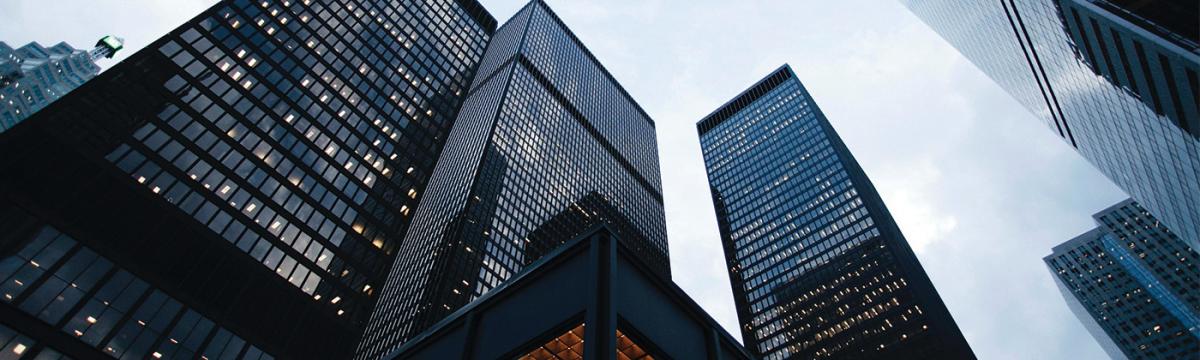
629, 350
568, 346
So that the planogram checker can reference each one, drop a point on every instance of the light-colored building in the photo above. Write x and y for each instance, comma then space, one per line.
33, 76
1132, 282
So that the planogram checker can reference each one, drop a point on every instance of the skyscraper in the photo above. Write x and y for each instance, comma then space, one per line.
33, 76
1134, 284
818, 266
237, 188
1118, 80
547, 143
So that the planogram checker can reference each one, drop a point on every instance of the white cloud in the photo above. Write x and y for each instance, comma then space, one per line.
911, 195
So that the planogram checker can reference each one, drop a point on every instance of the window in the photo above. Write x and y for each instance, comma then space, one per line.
72, 283
568, 346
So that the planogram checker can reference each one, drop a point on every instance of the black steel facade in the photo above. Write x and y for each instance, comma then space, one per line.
818, 266
547, 143
1134, 284
593, 297
1119, 80
239, 188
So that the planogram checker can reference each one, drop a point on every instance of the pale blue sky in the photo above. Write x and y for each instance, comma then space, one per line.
981, 189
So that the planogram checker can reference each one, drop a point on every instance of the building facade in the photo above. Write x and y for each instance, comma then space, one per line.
239, 188
547, 143
33, 76
1134, 284
590, 298
1118, 80
818, 266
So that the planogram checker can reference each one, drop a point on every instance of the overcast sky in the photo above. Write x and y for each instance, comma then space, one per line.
981, 188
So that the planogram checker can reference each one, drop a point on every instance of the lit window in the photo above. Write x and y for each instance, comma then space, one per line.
568, 346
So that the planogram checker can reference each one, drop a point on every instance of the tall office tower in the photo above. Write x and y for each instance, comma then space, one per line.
1119, 80
547, 144
33, 76
239, 187
818, 266
1134, 284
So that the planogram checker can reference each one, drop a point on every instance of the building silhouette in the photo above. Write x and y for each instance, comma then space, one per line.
1134, 285
818, 266
547, 144
237, 189
592, 289
33, 76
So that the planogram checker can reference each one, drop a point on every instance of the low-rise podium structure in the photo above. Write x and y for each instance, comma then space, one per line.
592, 290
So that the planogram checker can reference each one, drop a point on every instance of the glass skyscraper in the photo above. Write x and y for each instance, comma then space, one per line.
33, 76
818, 266
239, 188
1119, 80
547, 144
1134, 284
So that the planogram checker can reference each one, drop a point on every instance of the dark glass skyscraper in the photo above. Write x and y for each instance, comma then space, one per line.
1134, 284
818, 266
1119, 80
546, 144
239, 188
